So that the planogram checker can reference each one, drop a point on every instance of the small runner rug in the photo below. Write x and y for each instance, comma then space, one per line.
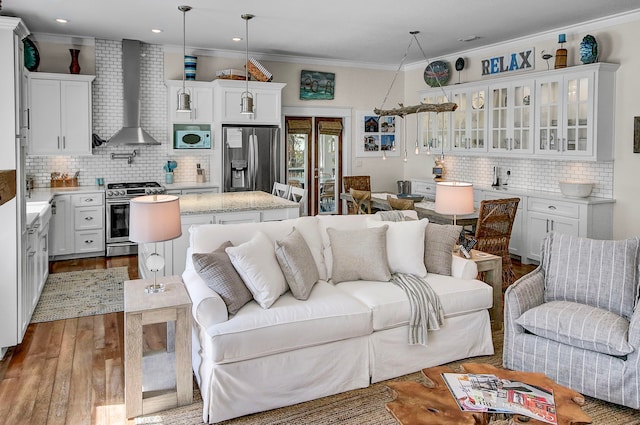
81, 293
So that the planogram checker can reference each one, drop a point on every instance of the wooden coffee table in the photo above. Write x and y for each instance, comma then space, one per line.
433, 404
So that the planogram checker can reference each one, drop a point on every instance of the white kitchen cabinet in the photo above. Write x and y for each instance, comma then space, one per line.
424, 188
591, 220
60, 114
29, 286
575, 113
511, 117
201, 102
267, 101
469, 120
434, 128
77, 225
61, 227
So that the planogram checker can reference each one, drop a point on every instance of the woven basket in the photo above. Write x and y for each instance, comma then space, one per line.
257, 71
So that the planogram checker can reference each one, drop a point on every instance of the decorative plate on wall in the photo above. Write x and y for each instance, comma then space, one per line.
436, 74
31, 55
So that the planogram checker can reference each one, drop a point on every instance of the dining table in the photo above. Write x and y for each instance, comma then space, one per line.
424, 208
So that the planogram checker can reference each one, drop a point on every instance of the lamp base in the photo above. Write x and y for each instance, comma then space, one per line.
154, 288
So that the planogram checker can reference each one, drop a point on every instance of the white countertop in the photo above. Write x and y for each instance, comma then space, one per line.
47, 193
205, 203
190, 185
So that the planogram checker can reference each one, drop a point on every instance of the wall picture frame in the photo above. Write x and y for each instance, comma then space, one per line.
376, 134
636, 134
316, 85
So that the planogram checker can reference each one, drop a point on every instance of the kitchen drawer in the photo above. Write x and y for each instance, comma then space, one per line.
88, 218
426, 189
87, 199
559, 208
89, 241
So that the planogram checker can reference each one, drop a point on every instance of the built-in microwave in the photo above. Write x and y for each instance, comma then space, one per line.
192, 139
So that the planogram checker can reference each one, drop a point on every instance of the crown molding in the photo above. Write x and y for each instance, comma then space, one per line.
64, 39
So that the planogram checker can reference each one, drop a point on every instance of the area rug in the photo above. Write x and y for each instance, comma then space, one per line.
81, 293
367, 406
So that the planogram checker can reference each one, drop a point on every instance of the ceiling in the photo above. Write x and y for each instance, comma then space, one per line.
370, 32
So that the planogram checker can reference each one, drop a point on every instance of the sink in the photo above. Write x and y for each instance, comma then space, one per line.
36, 207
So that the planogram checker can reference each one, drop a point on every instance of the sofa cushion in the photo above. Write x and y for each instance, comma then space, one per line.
328, 315
439, 241
297, 265
256, 262
218, 273
390, 305
359, 254
599, 273
338, 222
405, 245
579, 325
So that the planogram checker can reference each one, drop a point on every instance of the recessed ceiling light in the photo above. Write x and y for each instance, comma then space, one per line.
469, 38
156, 31
237, 39
61, 20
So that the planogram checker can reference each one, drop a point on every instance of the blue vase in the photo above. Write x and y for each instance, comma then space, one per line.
168, 178
588, 49
190, 63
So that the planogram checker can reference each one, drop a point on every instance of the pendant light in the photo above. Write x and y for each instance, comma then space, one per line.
184, 98
246, 99
417, 135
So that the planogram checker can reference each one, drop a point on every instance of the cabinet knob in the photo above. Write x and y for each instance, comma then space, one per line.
90, 241
88, 200
88, 218
552, 207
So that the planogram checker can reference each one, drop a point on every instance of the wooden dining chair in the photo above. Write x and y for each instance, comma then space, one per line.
400, 204
280, 189
493, 232
328, 195
358, 183
361, 201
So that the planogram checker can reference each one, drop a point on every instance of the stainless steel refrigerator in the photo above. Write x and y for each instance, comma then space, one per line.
252, 158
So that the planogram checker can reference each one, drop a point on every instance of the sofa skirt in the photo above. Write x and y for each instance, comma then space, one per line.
235, 389
460, 337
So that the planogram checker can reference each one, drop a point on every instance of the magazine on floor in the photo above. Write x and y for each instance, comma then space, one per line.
488, 393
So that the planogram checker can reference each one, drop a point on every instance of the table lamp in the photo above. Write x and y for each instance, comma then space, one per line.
454, 198
154, 218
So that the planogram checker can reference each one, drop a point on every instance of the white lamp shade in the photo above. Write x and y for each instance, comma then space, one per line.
154, 218
454, 198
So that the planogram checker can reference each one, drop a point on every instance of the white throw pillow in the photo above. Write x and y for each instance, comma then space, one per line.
256, 263
405, 245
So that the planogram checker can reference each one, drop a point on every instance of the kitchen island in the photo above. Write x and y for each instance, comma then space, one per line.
214, 208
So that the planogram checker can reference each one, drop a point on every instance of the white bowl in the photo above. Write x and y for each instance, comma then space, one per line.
576, 189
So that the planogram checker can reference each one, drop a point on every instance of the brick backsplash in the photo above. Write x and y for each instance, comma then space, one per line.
107, 120
531, 174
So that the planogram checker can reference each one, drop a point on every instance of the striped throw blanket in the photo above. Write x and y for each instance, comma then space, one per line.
426, 311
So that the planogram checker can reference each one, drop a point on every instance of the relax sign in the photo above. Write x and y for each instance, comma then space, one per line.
519, 61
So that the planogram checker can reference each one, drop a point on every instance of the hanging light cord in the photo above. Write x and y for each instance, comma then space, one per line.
184, 46
246, 50
396, 74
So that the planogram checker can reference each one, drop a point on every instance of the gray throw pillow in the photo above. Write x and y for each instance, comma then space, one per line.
218, 273
359, 254
439, 241
297, 264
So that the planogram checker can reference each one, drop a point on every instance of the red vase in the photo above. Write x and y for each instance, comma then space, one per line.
74, 68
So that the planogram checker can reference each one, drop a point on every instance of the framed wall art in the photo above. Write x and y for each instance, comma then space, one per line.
316, 85
375, 135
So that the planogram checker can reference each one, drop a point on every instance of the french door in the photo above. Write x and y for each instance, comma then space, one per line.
313, 158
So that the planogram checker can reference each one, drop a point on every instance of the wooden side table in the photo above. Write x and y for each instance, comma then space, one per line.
173, 307
492, 266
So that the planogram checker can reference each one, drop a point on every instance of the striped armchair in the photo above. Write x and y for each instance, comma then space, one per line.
576, 318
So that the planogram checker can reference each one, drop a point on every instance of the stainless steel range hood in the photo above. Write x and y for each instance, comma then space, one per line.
131, 133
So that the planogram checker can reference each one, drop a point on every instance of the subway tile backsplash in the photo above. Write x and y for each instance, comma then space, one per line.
107, 120
531, 174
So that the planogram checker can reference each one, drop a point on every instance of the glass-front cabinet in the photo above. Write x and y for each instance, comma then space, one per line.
511, 117
469, 120
434, 133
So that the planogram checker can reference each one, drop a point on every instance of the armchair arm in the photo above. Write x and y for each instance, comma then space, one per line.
525, 293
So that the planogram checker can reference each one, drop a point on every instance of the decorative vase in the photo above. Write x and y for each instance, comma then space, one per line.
190, 63
561, 53
74, 68
588, 49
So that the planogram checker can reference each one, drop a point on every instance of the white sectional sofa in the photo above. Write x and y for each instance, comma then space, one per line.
344, 336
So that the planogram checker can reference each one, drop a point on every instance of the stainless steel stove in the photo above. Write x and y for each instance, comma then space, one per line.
117, 198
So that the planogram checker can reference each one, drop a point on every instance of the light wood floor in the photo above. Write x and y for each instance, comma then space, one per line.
72, 371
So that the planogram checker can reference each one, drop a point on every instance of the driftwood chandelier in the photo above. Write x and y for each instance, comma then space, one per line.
402, 111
